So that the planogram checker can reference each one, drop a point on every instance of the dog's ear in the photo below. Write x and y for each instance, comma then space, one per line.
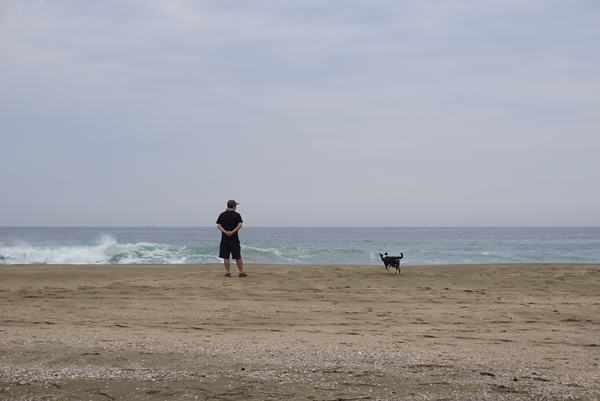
385, 254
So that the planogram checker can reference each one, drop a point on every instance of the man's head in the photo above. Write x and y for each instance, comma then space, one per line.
232, 204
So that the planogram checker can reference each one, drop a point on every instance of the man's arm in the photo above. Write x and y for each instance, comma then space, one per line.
229, 233
237, 228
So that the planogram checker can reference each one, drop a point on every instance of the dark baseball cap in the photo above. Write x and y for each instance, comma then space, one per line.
231, 203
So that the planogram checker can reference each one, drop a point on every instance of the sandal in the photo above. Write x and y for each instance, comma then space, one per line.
227, 274
242, 275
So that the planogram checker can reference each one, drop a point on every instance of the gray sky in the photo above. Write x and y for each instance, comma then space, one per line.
308, 113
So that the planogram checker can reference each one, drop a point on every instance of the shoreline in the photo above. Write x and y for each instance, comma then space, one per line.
291, 265
482, 331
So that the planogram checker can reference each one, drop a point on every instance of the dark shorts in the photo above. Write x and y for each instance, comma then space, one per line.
233, 248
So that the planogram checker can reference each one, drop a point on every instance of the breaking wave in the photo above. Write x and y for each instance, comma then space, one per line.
107, 251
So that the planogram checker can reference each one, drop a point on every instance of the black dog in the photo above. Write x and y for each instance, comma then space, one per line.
391, 261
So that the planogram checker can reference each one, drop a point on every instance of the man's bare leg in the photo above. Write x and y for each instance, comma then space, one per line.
240, 264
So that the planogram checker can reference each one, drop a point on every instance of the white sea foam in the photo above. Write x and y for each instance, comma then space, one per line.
27, 254
106, 251
270, 255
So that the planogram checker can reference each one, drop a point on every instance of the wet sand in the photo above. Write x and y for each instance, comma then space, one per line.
463, 332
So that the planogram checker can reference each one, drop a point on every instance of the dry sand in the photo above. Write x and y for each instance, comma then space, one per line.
464, 332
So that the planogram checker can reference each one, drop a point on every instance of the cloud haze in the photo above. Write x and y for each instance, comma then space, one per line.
338, 113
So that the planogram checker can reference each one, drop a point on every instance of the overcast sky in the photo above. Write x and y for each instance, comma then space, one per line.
308, 113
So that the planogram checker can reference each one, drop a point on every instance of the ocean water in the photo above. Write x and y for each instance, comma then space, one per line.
357, 246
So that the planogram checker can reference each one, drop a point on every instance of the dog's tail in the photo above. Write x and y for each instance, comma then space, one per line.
401, 255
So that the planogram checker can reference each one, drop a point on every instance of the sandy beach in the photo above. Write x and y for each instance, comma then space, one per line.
165, 332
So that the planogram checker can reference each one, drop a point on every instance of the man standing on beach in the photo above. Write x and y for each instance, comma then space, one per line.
229, 223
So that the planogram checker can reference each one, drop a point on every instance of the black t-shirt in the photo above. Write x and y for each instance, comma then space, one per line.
229, 220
